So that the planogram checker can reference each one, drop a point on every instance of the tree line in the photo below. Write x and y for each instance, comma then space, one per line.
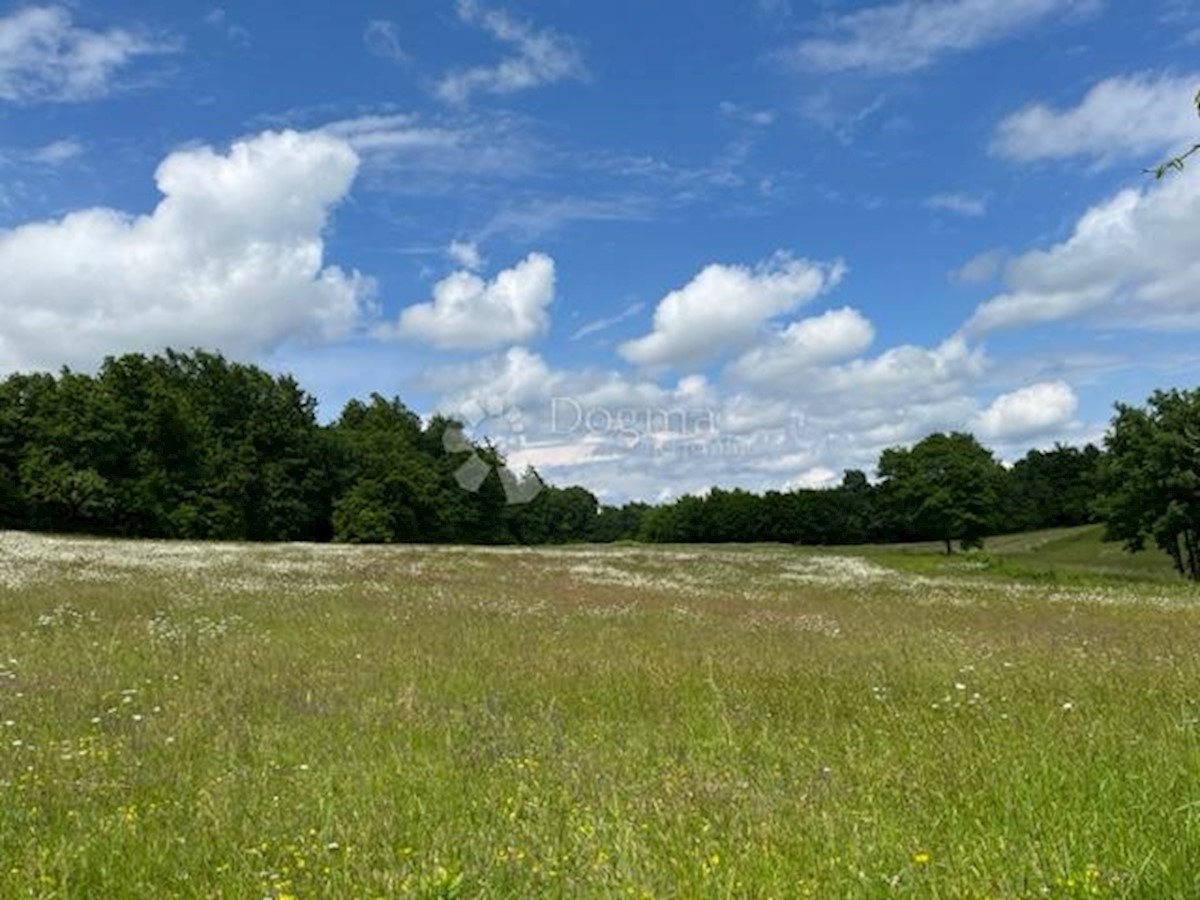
195, 446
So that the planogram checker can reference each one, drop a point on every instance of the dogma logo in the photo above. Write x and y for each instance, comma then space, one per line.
472, 474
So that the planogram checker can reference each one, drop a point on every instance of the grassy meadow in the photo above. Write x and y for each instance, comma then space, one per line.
229, 721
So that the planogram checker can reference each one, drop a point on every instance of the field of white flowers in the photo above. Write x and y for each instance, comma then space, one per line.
205, 720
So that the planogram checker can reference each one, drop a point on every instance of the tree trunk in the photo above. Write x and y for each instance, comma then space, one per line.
949, 547
1192, 538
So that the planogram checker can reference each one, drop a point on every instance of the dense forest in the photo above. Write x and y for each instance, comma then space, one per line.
195, 446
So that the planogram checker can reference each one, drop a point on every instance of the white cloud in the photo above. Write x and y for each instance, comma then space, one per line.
912, 34
394, 132
44, 56
219, 19
724, 307
901, 376
1029, 412
1120, 118
1130, 261
539, 216
816, 478
830, 337
541, 57
465, 254
982, 268
745, 114
598, 325
969, 205
383, 40
231, 258
419, 156
57, 152
468, 312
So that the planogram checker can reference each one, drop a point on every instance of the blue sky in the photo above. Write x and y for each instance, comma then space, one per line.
646, 247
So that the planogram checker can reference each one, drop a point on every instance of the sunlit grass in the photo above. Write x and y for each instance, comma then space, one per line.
195, 721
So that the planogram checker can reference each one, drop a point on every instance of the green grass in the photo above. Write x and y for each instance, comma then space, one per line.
1064, 554
195, 721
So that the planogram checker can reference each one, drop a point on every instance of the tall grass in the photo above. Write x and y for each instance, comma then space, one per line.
196, 721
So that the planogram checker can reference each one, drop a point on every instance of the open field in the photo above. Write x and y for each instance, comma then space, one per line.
229, 721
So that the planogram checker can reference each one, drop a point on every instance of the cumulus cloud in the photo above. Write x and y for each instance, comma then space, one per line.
830, 337
1029, 412
627, 436
912, 34
1131, 260
1127, 117
231, 258
469, 313
725, 306
45, 57
904, 375
541, 56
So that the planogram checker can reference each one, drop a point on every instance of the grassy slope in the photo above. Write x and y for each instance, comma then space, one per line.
296, 722
1064, 554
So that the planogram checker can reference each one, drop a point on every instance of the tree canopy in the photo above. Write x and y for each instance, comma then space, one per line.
1152, 477
947, 488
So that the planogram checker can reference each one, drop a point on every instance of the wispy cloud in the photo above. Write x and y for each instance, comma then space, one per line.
912, 34
57, 152
604, 324
840, 119
45, 57
542, 56
962, 204
218, 18
416, 155
383, 40
746, 115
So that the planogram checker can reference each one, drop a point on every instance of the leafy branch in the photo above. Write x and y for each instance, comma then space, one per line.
1176, 163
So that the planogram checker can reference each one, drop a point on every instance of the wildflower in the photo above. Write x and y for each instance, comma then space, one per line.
1068, 706
921, 858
